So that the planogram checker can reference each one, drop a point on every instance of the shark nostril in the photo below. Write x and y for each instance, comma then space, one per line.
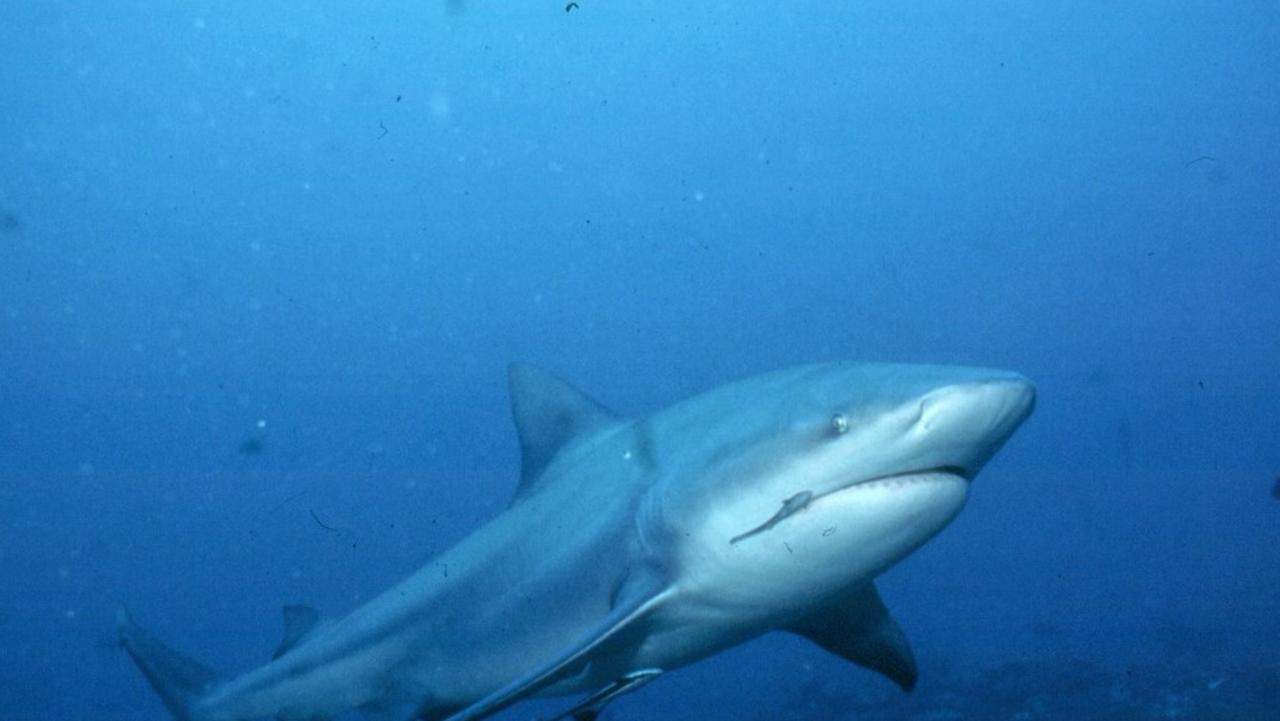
927, 413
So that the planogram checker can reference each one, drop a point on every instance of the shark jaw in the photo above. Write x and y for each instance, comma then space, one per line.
839, 539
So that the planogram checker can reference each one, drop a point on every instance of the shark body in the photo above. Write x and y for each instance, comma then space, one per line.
634, 547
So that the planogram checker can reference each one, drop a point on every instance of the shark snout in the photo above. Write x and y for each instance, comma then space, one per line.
1001, 401
1010, 399
968, 422
1022, 394
1018, 398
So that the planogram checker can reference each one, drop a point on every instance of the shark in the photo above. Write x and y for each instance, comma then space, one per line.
637, 546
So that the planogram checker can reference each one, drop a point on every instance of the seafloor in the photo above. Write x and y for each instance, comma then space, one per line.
1194, 684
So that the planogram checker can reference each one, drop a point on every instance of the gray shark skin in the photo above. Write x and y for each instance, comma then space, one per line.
634, 547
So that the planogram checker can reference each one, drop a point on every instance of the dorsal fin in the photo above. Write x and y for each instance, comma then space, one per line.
299, 622
549, 414
860, 629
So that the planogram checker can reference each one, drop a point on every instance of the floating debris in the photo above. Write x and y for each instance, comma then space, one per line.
321, 523
1201, 159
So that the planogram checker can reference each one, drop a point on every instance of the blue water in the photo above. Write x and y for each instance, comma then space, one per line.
262, 267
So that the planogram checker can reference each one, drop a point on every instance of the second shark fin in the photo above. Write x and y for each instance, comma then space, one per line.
859, 628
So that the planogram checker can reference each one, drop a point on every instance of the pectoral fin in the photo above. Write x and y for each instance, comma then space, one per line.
632, 605
860, 629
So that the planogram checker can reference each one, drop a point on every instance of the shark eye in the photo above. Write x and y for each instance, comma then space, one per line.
839, 423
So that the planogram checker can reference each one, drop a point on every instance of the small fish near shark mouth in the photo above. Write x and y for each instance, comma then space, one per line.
802, 500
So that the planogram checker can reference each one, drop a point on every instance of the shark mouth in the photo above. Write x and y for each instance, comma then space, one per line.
956, 471
801, 500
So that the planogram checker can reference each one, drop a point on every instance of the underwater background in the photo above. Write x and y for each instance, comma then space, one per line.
263, 265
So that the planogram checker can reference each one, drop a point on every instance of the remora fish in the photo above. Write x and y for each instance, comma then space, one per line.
635, 547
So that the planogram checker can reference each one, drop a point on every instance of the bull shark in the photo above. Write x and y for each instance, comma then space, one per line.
637, 546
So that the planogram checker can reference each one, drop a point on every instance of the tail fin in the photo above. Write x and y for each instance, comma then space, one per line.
180, 680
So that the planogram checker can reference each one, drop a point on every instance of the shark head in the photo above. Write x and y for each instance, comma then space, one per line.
811, 480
